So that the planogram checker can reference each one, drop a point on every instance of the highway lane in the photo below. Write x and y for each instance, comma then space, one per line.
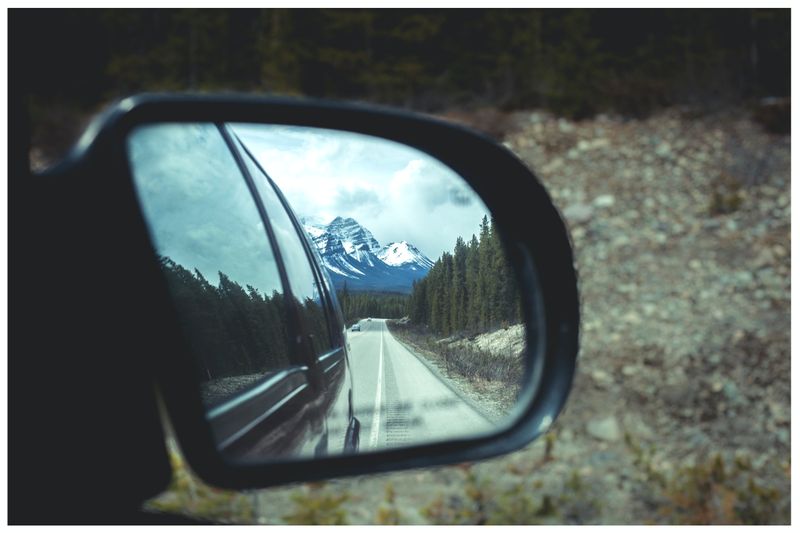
398, 400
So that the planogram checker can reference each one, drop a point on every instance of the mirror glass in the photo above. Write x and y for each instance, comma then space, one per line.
339, 293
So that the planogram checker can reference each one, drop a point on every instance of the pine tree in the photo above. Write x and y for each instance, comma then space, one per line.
458, 289
485, 274
471, 290
473, 285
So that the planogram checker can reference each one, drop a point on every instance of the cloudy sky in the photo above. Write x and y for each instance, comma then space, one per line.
199, 210
395, 191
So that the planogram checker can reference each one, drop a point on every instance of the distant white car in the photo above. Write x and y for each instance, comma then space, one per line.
369, 320
356, 327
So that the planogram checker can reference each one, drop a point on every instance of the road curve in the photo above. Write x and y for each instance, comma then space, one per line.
398, 400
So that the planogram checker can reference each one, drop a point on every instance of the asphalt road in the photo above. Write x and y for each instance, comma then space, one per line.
398, 400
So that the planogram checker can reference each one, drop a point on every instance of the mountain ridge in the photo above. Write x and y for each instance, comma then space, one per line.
352, 256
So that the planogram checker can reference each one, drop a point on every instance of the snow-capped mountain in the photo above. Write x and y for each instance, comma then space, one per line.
352, 255
403, 253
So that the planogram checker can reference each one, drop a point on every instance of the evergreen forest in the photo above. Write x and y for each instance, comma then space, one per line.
357, 305
234, 330
471, 290
573, 61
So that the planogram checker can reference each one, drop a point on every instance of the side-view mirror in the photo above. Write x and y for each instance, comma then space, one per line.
340, 289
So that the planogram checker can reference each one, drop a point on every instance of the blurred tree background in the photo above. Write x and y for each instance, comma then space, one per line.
575, 62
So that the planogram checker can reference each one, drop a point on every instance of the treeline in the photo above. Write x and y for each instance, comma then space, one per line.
235, 330
471, 290
572, 61
358, 305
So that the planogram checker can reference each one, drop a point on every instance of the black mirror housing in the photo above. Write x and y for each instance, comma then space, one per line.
96, 177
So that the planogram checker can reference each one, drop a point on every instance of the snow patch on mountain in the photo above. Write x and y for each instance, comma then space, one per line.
351, 254
403, 253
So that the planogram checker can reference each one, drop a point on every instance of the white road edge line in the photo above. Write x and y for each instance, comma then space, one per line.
376, 413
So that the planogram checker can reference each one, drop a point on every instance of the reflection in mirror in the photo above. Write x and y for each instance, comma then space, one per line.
339, 293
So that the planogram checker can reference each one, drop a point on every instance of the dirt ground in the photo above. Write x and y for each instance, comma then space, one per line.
680, 410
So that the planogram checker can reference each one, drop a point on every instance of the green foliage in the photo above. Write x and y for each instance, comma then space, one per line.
644, 459
727, 194
711, 491
715, 492
314, 505
549, 445
469, 508
471, 290
388, 514
522, 503
188, 495
573, 61
232, 331
358, 305
237, 332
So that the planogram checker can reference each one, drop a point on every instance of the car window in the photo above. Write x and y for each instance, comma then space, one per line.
302, 280
214, 253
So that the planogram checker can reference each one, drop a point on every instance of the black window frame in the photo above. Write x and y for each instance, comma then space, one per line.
335, 341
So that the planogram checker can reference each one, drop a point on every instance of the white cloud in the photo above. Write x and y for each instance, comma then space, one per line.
397, 192
199, 210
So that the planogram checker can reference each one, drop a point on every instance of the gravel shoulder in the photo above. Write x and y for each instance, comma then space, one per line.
490, 398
